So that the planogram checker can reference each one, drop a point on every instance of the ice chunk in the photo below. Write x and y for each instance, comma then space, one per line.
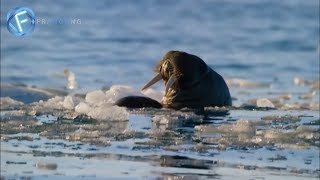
315, 106
308, 95
94, 106
93, 137
96, 98
19, 115
53, 103
242, 126
68, 102
298, 81
15, 113
314, 84
57, 102
81, 133
291, 106
98, 108
9, 103
117, 92
82, 108
108, 112
245, 83
264, 102
163, 119
296, 105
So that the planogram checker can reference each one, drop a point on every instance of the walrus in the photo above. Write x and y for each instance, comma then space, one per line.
189, 82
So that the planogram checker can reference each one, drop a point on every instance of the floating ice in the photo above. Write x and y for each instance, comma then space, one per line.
314, 84
82, 108
19, 115
109, 112
96, 98
286, 118
163, 119
56, 103
298, 81
7, 103
117, 92
96, 105
93, 137
242, 126
259, 132
99, 105
15, 113
314, 106
308, 95
311, 106
53, 103
81, 133
264, 102
68, 102
245, 83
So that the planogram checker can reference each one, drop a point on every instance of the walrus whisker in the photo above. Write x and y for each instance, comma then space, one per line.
154, 80
170, 82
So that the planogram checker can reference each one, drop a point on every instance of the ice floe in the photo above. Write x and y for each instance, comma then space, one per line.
236, 82
264, 102
260, 133
109, 112
9, 103
117, 92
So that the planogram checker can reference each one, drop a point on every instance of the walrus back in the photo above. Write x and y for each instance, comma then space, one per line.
211, 90
218, 93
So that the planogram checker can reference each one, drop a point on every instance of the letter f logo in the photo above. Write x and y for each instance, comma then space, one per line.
21, 21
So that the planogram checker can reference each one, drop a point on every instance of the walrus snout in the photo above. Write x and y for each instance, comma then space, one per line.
166, 72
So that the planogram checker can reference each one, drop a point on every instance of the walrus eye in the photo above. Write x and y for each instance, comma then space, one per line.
167, 70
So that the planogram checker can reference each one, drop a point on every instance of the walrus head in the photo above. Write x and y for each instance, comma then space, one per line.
182, 74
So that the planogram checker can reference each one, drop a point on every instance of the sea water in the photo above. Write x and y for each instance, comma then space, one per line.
84, 55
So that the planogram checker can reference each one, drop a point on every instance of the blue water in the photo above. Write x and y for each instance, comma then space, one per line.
116, 42
119, 42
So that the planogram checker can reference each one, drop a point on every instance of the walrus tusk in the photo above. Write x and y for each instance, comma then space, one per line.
170, 82
157, 78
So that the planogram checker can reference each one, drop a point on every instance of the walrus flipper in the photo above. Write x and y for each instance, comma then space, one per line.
138, 102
